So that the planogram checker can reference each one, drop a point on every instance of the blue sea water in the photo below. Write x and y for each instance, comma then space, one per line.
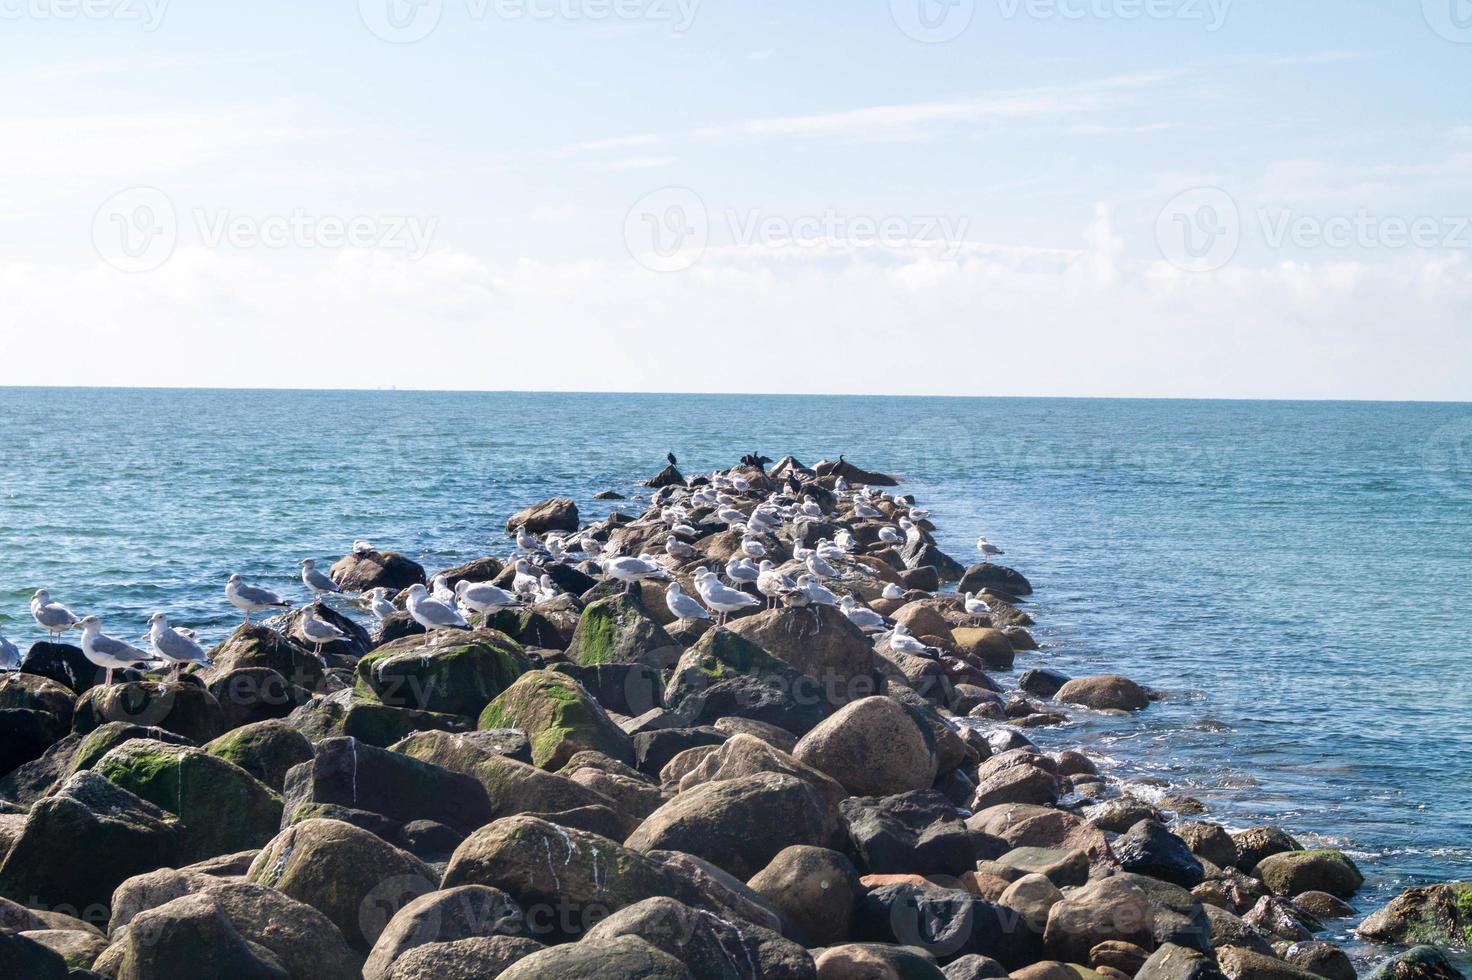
1296, 577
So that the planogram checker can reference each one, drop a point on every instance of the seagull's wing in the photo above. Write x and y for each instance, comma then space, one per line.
323, 582
262, 597
118, 650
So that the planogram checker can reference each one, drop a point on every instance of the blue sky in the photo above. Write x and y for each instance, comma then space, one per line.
1239, 198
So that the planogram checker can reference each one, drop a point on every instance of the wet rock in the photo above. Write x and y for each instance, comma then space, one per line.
124, 835
464, 912
1228, 930
181, 706
556, 514
874, 747
725, 675
1321, 959
875, 961
621, 630
1041, 682
984, 645
1322, 905
710, 947
191, 784
815, 887
1274, 917
63, 663
345, 772
559, 716
624, 956
1299, 871
1118, 816
1101, 911
364, 570
1421, 963
1209, 841
1261, 842
1243, 964
1172, 962
265, 749
1025, 781
1149, 849
1021, 825
947, 923
986, 577
25, 735
1109, 692
341, 871
910, 833
738, 825
1432, 914
447, 671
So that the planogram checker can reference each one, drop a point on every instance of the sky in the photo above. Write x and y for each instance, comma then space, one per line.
1154, 198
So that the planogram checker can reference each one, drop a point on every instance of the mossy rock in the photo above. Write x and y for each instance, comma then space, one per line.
36, 693
355, 714
224, 809
181, 705
256, 645
560, 717
102, 740
620, 630
726, 675
1438, 915
445, 671
1294, 872
266, 750
1421, 963
530, 627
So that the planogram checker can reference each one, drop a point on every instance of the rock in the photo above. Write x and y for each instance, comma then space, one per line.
463, 959
355, 643
1118, 816
1175, 915
653, 750
1021, 825
738, 825
559, 716
1209, 841
181, 706
1421, 963
918, 553
1127, 958
1261, 842
989, 647
1064, 868
922, 618
621, 630
1228, 930
1031, 897
1243, 964
1171, 962
265, 749
302, 938
820, 642
364, 570
1440, 914
63, 663
667, 477
557, 514
1023, 783
191, 784
351, 714
587, 877
1299, 871
464, 912
973, 967
986, 577
707, 945
875, 961
777, 738
1322, 905
624, 956
719, 891
345, 772
33, 692
447, 671
1109, 692
946, 923
1149, 849
343, 872
192, 936
1101, 911
548, 625
630, 792
250, 694
25, 735
1321, 959
815, 887
124, 836
746, 755
724, 675
922, 578
256, 645
910, 833
24, 957
1275, 917
625, 689
78, 947
874, 747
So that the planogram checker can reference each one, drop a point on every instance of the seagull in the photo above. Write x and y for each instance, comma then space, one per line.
173, 646
52, 617
431, 613
840, 484
722, 599
741, 570
525, 540
845, 541
441, 591
752, 548
676, 548
106, 652
820, 568
828, 550
684, 530
865, 619
546, 589
987, 548
379, 605
889, 535
249, 598
772, 583
361, 547
483, 597
525, 581
816, 591
892, 591
682, 606
811, 507
319, 631
9, 655
763, 520
632, 570
591, 545
730, 515
901, 641
319, 583
862, 509
977, 607
918, 514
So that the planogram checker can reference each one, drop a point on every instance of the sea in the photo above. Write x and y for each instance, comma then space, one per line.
1294, 577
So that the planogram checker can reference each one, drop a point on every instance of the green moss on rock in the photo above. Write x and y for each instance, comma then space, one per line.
559, 717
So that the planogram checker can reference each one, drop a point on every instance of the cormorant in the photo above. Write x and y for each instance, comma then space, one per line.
671, 458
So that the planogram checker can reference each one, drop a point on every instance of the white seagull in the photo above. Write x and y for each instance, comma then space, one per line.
752, 548
526, 580
483, 597
317, 582
319, 631
889, 535
892, 591
816, 591
987, 548
977, 607
862, 509
9, 655
52, 617
901, 641
865, 619
172, 645
676, 548
525, 540
741, 570
249, 598
108, 653
379, 604
683, 607
722, 599
631, 570
820, 568
431, 613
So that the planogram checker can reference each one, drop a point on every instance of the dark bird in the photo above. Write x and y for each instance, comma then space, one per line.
671, 458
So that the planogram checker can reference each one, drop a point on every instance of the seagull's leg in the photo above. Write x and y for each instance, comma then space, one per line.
108, 681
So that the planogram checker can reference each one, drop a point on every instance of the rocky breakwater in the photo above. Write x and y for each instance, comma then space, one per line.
588, 778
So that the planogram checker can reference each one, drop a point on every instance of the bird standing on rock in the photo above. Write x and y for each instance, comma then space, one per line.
52, 617
318, 582
865, 619
976, 607
379, 605
173, 646
723, 599
249, 598
683, 607
987, 548
106, 652
484, 597
319, 631
431, 613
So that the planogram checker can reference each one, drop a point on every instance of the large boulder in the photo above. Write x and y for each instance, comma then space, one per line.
557, 514
1430, 914
711, 947
257, 645
251, 694
193, 937
32, 692
266, 749
559, 716
63, 663
463, 959
463, 912
1257, 843
621, 630
571, 876
877, 961
986, 577
1238, 963
183, 706
304, 940
344, 872
344, 772
738, 825
821, 642
726, 675
911, 833
191, 784
1108, 692
744, 755
25, 735
623, 956
874, 747
364, 570
446, 671
80, 843
1103, 910
352, 714
1171, 962
985, 646
1149, 849
1293, 872
1420, 963
816, 888
24, 957
947, 923
355, 641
